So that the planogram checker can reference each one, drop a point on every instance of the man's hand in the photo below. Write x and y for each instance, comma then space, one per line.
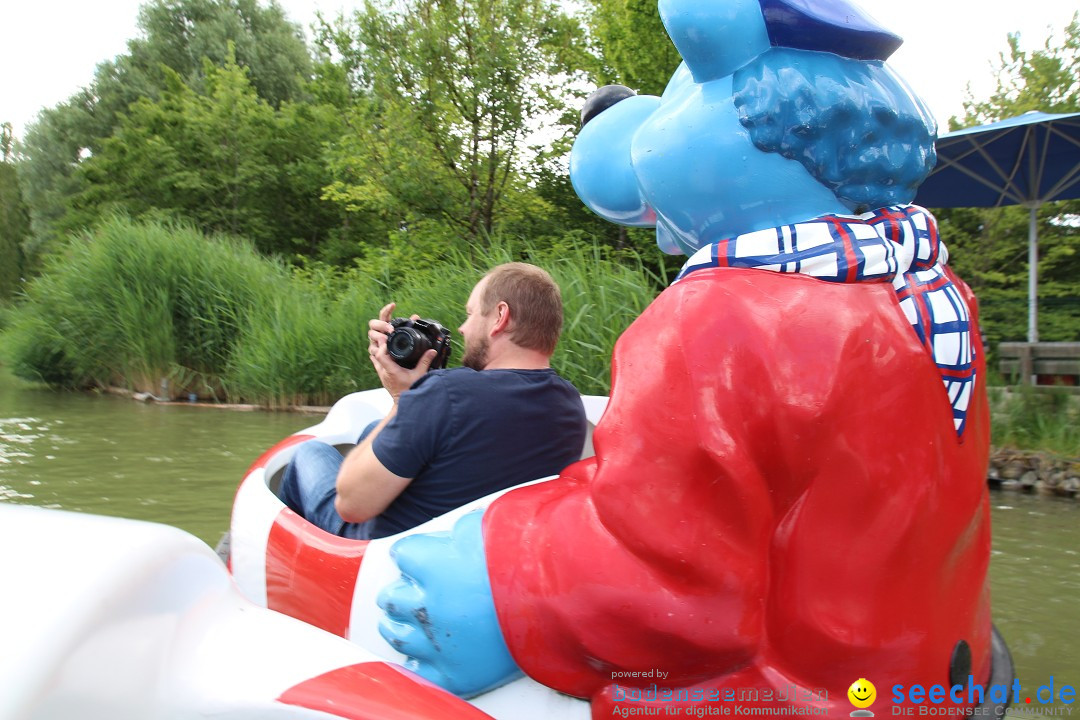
441, 614
393, 377
364, 486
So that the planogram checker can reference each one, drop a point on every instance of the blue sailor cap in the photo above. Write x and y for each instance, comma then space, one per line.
717, 37
836, 26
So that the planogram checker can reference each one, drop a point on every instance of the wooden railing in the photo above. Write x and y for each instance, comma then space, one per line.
1044, 363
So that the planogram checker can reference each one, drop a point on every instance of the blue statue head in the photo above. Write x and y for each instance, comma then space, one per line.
782, 111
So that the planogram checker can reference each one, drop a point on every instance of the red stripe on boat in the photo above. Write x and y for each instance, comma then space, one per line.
260, 463
311, 574
378, 691
265, 457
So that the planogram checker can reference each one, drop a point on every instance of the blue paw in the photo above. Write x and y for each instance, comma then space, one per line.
441, 613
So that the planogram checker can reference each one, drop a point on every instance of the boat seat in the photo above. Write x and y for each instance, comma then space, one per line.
274, 481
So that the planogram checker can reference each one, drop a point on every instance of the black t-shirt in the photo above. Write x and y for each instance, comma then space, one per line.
463, 434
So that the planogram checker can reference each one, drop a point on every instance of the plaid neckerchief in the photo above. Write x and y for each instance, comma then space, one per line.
897, 244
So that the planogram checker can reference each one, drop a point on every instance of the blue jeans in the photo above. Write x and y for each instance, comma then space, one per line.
309, 487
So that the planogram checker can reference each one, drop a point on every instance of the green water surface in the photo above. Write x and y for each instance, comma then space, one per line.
110, 455
180, 465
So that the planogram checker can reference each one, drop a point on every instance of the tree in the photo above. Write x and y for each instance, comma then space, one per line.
989, 246
176, 37
55, 144
1047, 79
448, 92
634, 45
182, 34
14, 220
223, 158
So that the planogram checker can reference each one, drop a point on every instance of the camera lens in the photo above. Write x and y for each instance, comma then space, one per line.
407, 345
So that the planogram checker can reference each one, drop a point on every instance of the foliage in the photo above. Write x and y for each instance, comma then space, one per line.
224, 159
175, 38
988, 248
52, 149
635, 47
35, 349
14, 219
1028, 418
181, 35
449, 91
309, 346
1046, 79
603, 292
445, 121
134, 303
305, 347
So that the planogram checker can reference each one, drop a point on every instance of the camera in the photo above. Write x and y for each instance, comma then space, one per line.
410, 339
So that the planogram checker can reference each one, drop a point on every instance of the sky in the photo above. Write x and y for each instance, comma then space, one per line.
49, 48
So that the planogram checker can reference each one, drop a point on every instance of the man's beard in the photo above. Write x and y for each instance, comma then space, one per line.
476, 356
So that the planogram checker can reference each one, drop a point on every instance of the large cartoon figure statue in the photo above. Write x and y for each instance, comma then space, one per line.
789, 491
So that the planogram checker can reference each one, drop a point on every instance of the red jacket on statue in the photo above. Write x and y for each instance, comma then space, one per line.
778, 500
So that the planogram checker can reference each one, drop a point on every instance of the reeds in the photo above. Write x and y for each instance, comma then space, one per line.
602, 295
305, 347
154, 307
160, 308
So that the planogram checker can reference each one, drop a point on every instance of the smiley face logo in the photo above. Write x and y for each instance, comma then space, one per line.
862, 693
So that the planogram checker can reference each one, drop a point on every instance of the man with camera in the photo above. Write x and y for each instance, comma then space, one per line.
455, 435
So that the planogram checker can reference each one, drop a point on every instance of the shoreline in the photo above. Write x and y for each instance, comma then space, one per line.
1037, 472
242, 407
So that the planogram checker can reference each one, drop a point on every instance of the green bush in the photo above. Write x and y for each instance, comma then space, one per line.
34, 350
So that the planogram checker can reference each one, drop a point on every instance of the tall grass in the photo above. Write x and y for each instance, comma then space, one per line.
1046, 418
310, 345
140, 305
602, 295
305, 347
132, 304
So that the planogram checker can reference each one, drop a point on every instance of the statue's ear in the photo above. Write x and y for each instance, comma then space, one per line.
715, 37
601, 99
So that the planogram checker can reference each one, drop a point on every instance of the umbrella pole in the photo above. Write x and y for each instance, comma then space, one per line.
1033, 277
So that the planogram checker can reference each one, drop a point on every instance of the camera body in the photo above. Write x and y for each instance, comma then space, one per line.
410, 339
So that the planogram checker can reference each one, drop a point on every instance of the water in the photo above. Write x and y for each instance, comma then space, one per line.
1035, 585
181, 465
113, 456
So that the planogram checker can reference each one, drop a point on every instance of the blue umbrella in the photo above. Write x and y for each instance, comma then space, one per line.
1026, 160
